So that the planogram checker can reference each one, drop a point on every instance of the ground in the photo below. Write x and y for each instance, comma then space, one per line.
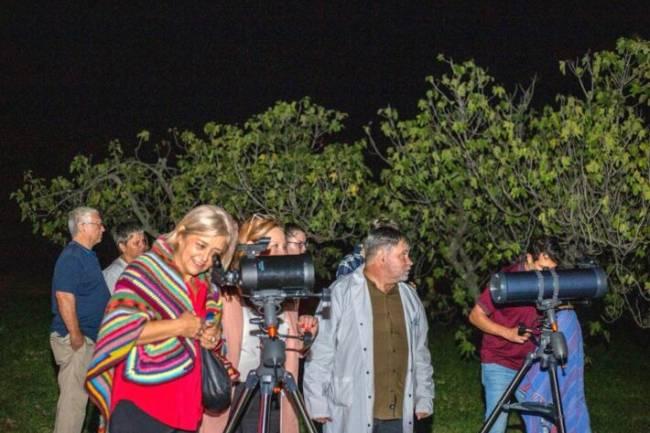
616, 379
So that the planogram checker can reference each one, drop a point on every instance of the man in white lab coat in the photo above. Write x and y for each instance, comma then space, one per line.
369, 369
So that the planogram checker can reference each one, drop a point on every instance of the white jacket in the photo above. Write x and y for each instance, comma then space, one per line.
339, 371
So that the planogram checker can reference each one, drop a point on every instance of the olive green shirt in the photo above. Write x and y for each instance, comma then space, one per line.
390, 351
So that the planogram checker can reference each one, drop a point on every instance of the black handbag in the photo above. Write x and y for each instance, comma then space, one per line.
216, 384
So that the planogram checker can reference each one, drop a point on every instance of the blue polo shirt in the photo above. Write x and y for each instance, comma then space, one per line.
77, 271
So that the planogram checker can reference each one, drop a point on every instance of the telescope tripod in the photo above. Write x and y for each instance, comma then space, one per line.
551, 353
270, 377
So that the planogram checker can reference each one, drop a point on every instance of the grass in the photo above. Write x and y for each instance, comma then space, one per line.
617, 380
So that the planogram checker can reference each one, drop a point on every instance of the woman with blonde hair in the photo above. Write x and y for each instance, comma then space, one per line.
243, 349
145, 375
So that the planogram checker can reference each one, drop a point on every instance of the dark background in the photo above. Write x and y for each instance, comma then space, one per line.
75, 75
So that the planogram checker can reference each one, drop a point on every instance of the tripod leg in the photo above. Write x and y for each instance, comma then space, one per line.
239, 406
508, 394
294, 396
557, 399
265, 412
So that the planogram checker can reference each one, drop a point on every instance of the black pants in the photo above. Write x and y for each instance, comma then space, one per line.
386, 426
129, 418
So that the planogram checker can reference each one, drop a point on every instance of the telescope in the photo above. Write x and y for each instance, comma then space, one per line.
289, 276
267, 281
561, 285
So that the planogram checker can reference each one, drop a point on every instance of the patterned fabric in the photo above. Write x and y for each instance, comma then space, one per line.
537, 384
149, 289
350, 262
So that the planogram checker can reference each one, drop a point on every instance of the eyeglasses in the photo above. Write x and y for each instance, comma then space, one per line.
262, 216
299, 244
93, 223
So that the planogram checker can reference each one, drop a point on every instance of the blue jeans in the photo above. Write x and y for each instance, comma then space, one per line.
495, 379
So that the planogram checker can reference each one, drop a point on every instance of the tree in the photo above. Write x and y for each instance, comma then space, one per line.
598, 146
477, 172
471, 177
279, 162
448, 177
123, 188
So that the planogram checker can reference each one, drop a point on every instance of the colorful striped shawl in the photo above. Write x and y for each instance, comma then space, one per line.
150, 288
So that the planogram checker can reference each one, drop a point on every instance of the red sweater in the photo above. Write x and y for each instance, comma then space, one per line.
176, 403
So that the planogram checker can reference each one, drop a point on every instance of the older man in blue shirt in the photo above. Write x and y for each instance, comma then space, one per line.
79, 297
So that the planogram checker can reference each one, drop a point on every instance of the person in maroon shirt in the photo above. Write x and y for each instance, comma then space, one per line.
503, 348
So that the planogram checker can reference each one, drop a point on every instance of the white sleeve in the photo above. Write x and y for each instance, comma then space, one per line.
111, 276
319, 362
423, 374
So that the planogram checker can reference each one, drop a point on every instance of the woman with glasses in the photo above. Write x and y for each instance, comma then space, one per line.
145, 375
296, 239
242, 348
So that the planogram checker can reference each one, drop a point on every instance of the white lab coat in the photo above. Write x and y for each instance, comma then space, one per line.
339, 371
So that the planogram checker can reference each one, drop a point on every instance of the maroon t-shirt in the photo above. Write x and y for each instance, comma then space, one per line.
497, 350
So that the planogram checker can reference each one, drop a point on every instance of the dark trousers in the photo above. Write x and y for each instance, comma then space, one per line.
248, 423
386, 426
129, 418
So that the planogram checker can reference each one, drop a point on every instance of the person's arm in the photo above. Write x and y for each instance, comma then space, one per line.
67, 306
186, 325
479, 318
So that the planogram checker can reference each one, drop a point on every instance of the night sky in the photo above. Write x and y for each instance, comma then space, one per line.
75, 75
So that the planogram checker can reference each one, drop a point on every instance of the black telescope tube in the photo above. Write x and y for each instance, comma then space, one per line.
294, 272
573, 284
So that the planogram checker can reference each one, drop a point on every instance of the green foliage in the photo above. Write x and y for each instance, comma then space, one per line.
477, 172
599, 195
282, 163
123, 188
471, 178
466, 348
450, 177
279, 162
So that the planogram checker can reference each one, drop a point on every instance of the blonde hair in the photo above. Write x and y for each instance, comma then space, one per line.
207, 220
254, 229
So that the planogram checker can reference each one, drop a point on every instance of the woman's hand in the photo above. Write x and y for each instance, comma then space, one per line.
186, 325
210, 336
189, 325
309, 324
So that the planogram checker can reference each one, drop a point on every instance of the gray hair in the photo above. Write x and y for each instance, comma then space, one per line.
381, 236
77, 216
124, 231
